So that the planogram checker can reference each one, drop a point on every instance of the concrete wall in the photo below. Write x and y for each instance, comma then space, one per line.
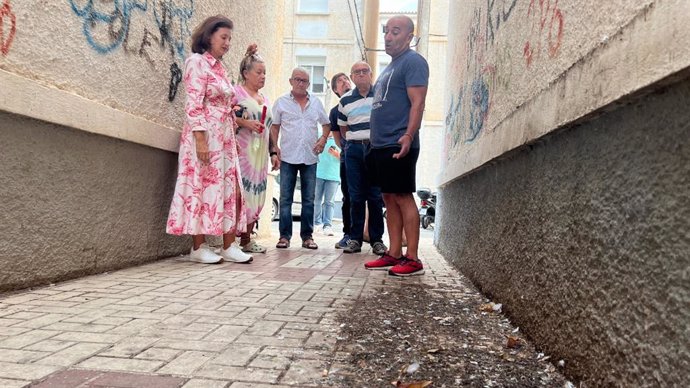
128, 64
521, 69
75, 203
584, 238
79, 202
565, 183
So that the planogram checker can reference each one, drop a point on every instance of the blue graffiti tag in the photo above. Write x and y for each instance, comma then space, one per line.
172, 22
454, 118
479, 108
120, 15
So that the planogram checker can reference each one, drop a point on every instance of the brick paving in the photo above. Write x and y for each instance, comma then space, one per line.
175, 323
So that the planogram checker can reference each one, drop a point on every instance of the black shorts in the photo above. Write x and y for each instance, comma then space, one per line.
394, 176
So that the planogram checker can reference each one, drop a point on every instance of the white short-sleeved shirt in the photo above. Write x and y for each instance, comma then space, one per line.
299, 130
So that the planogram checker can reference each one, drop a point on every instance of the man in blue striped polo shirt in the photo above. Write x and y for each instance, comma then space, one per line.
354, 111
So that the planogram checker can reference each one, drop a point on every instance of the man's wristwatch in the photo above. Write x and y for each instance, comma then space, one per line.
272, 154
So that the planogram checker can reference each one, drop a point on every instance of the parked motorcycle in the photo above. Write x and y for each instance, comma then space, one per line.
427, 209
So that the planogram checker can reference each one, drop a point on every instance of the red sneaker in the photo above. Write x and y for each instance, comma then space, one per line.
407, 267
382, 263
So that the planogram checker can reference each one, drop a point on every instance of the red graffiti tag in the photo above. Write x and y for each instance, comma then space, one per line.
7, 16
528, 52
555, 42
548, 13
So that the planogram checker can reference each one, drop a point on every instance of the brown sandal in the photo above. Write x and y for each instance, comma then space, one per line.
283, 243
309, 244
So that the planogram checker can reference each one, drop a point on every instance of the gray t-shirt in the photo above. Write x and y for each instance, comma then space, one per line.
391, 110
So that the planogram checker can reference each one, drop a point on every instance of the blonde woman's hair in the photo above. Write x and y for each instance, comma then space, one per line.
250, 58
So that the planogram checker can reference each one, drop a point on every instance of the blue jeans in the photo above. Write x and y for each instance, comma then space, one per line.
362, 195
325, 201
288, 180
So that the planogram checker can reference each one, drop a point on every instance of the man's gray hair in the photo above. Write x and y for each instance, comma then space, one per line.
360, 63
300, 70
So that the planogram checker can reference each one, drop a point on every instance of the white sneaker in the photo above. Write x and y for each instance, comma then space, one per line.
235, 254
328, 230
204, 255
318, 229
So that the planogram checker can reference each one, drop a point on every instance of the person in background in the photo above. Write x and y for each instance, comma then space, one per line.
354, 112
340, 84
253, 117
296, 116
396, 116
208, 198
327, 181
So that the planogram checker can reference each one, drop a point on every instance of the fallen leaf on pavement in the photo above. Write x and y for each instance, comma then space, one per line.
513, 342
491, 307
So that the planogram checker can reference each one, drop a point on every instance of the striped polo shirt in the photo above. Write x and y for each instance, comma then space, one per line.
354, 112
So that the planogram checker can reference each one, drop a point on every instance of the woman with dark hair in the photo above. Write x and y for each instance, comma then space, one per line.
254, 116
208, 198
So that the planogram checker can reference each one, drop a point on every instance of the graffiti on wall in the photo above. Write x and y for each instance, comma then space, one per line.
175, 79
469, 108
148, 41
546, 29
487, 66
8, 27
106, 23
475, 39
107, 27
497, 12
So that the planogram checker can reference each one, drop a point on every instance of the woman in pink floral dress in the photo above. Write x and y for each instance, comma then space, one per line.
208, 197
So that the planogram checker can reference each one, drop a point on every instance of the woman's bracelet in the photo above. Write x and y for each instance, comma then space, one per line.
407, 134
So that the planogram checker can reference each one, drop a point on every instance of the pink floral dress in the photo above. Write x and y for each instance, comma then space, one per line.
205, 199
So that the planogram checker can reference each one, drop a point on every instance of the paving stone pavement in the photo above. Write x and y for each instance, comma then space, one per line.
175, 323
